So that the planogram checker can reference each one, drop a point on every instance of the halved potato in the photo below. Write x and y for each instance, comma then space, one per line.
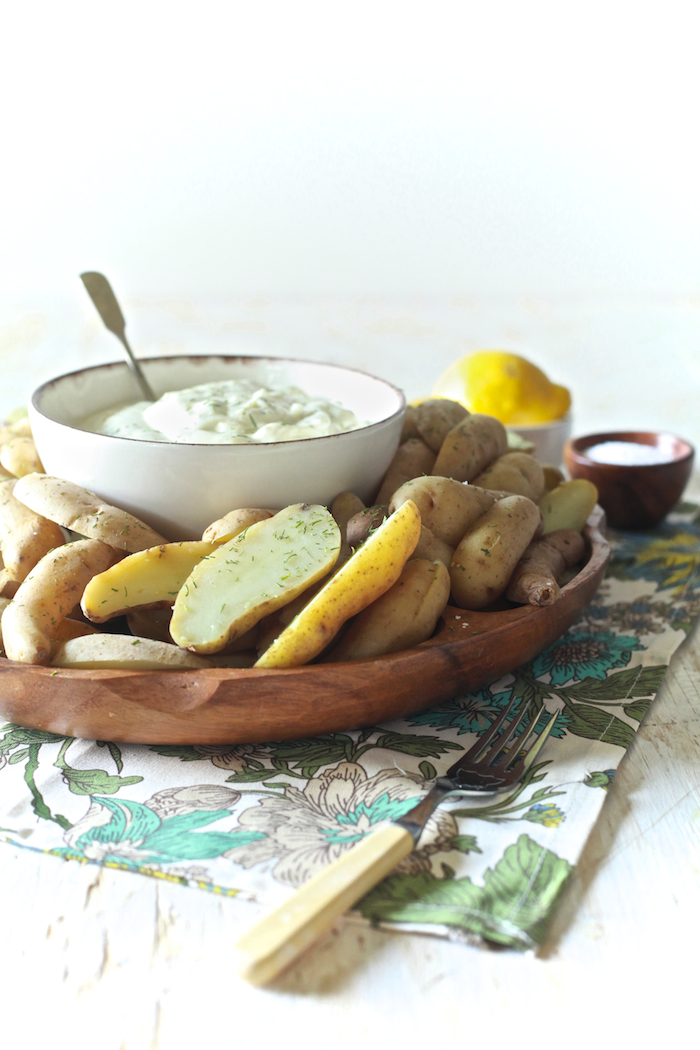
252, 575
367, 574
149, 577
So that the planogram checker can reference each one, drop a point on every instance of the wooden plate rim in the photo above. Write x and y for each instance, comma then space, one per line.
220, 705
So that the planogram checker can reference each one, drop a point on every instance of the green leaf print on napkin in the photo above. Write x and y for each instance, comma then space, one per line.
511, 908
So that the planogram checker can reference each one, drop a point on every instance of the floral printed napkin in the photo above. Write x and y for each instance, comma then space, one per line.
258, 820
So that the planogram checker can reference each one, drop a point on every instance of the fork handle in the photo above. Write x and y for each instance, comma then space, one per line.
277, 940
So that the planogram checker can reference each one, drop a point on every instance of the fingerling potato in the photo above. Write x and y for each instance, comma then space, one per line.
25, 537
447, 507
435, 417
233, 523
76, 509
412, 459
487, 555
568, 506
48, 594
516, 472
470, 446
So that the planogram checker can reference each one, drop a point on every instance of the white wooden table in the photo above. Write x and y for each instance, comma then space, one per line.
117, 960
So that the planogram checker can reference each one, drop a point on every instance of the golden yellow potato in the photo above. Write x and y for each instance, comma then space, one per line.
516, 472
367, 574
150, 577
402, 617
487, 555
470, 447
253, 574
568, 506
447, 507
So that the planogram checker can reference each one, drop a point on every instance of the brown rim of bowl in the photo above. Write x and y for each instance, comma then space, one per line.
576, 448
36, 395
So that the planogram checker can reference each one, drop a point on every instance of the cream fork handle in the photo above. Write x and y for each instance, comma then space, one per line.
277, 940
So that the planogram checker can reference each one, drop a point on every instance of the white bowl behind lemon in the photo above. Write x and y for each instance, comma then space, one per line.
179, 489
548, 439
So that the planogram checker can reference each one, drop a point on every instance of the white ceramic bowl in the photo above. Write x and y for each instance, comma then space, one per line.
549, 439
179, 489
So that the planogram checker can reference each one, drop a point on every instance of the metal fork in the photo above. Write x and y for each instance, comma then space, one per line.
497, 761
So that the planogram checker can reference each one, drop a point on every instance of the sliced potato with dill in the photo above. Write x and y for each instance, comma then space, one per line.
365, 576
146, 578
258, 571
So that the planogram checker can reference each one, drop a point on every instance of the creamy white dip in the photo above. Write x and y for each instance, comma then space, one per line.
230, 412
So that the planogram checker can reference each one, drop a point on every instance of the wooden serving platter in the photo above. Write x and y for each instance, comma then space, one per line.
221, 706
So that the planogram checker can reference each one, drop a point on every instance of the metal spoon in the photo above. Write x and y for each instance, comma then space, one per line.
100, 291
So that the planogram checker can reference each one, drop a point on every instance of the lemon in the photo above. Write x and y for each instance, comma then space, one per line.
503, 385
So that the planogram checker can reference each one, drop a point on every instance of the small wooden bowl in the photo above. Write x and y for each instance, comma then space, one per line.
634, 495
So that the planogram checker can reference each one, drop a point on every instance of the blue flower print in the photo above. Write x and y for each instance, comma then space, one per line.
584, 654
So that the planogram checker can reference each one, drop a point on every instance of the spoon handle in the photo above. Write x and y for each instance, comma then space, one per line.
100, 291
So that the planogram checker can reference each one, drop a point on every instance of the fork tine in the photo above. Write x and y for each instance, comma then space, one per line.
493, 730
509, 736
527, 760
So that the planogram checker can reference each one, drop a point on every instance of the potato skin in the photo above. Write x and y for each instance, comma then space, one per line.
76, 509
366, 575
487, 555
19, 456
536, 577
344, 507
470, 447
430, 548
402, 617
364, 523
447, 507
232, 524
412, 459
49, 593
516, 472
434, 418
25, 537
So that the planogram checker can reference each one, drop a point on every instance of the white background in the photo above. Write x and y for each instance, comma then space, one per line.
488, 152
